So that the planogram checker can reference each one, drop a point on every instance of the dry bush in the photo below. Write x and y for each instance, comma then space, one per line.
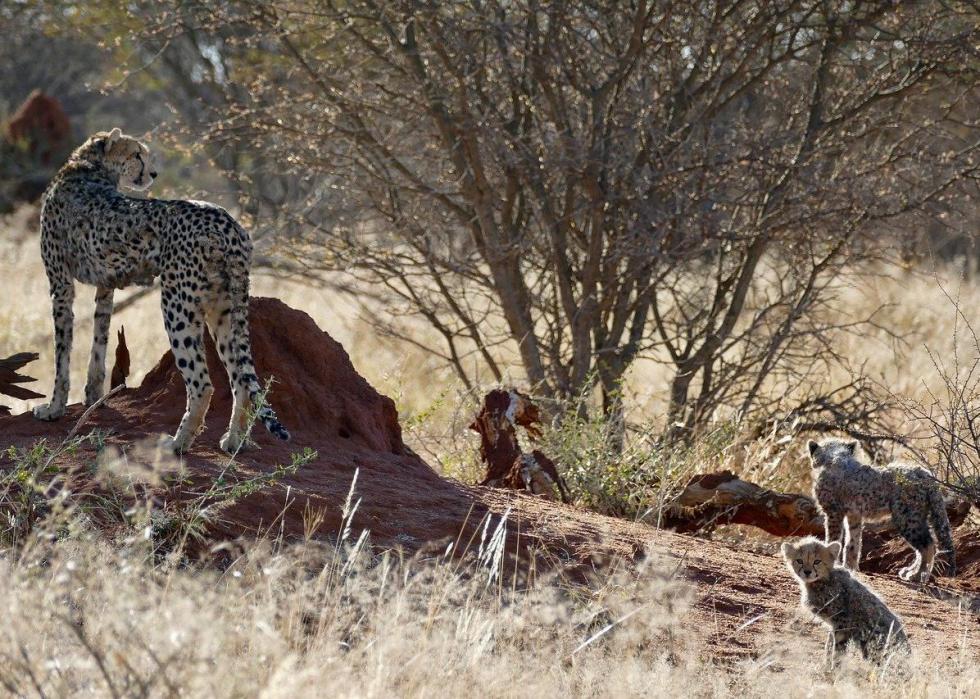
948, 414
580, 185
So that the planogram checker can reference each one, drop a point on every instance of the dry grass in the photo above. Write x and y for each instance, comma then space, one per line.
84, 614
82, 617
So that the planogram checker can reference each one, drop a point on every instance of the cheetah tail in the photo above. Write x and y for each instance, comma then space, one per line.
238, 290
269, 419
944, 532
266, 415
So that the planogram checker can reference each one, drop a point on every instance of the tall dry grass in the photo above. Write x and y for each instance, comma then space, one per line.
87, 614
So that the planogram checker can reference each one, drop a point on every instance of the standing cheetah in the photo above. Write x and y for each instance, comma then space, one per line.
844, 488
93, 233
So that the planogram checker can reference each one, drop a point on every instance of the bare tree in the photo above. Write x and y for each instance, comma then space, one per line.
579, 184
950, 416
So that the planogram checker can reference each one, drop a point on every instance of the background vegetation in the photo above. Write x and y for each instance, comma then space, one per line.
694, 231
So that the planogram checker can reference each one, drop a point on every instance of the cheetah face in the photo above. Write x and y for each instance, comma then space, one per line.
829, 451
130, 159
810, 559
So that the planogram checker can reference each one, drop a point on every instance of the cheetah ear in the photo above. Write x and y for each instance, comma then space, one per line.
851, 446
111, 139
812, 447
788, 549
834, 548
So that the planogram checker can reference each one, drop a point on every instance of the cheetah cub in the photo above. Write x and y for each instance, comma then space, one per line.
854, 613
846, 489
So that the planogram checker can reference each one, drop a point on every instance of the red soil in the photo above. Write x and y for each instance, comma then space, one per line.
328, 407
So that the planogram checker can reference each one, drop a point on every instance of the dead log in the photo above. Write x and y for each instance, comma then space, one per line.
712, 499
9, 378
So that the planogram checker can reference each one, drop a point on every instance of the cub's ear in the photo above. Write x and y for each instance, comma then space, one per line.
834, 548
112, 138
812, 447
851, 446
788, 549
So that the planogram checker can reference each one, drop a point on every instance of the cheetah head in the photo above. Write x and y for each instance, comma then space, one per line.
810, 559
830, 451
123, 155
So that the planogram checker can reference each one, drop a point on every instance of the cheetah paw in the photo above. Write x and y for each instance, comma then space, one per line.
92, 397
48, 411
913, 574
173, 445
232, 443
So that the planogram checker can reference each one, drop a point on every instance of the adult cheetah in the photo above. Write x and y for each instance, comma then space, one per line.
93, 233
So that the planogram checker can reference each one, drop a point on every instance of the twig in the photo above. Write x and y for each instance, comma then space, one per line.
88, 411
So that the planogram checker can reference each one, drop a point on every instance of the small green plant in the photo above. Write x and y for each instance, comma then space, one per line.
628, 475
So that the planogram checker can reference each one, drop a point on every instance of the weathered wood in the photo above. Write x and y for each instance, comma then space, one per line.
712, 499
507, 465
9, 376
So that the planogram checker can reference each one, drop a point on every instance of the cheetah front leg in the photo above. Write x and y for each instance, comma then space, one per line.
834, 647
833, 525
62, 298
185, 328
95, 386
852, 550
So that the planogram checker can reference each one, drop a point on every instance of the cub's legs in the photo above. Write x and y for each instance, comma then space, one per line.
62, 296
95, 386
833, 524
855, 531
185, 327
220, 322
915, 530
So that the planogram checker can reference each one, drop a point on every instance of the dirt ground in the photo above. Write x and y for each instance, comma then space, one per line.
744, 601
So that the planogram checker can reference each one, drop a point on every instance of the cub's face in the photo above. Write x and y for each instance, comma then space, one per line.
830, 451
810, 559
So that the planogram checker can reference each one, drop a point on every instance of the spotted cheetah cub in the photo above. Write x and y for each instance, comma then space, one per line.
846, 489
853, 612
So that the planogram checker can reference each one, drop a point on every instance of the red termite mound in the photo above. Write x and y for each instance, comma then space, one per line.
327, 406
42, 123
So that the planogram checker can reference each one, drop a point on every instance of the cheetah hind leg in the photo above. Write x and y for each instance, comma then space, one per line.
917, 534
185, 327
236, 439
95, 386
